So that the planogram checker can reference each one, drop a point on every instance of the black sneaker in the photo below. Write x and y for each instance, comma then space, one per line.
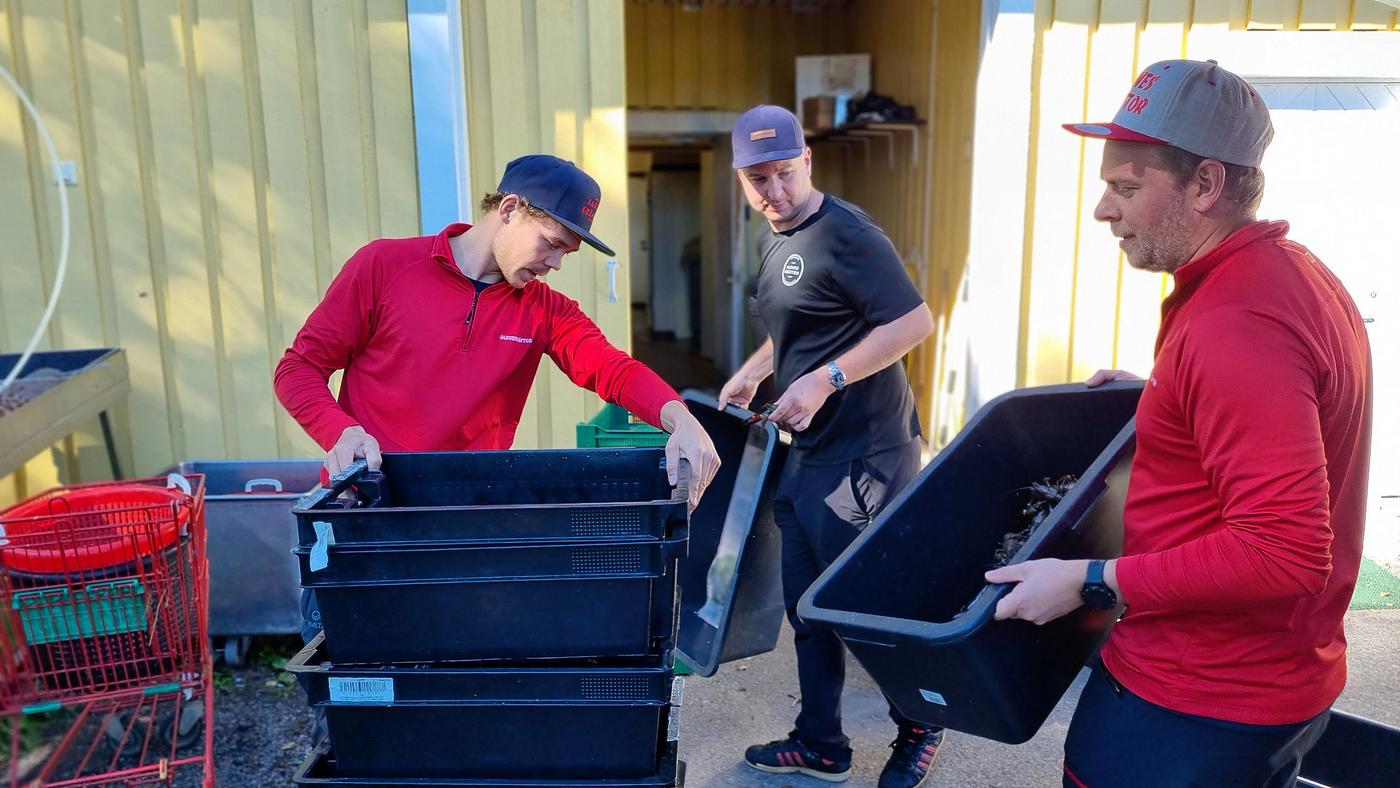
790, 756
913, 756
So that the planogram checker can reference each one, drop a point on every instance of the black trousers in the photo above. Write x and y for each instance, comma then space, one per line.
1119, 739
820, 510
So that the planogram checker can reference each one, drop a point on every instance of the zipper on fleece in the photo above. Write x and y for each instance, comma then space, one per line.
471, 315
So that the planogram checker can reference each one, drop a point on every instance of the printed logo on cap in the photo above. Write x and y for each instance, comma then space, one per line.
1136, 103
792, 270
589, 208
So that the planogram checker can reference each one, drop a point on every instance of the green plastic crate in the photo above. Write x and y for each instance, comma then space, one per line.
614, 427
54, 615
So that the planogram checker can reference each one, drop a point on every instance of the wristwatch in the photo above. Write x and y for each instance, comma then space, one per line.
1096, 592
835, 376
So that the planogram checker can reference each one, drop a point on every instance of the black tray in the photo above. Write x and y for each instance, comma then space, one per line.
451, 497
321, 770
497, 601
731, 580
895, 595
493, 722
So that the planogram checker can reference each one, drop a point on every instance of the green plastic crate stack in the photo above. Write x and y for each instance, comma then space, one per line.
614, 427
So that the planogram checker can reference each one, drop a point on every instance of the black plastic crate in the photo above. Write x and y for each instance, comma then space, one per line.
1354, 752
731, 580
488, 722
896, 595
448, 497
498, 601
321, 769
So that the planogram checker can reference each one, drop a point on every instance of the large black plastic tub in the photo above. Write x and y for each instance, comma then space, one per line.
895, 595
731, 580
1354, 752
535, 600
553, 722
417, 498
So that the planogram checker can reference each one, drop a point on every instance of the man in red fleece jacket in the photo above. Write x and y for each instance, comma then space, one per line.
440, 336
1246, 506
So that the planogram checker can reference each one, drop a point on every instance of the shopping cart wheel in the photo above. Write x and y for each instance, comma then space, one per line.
126, 736
191, 725
236, 650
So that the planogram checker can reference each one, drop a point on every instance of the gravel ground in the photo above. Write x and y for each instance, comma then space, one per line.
263, 734
263, 725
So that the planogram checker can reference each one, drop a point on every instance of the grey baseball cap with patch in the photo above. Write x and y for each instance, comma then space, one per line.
1193, 105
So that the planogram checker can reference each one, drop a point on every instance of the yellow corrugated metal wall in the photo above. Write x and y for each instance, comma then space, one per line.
549, 76
1082, 308
231, 154
727, 56
888, 173
917, 185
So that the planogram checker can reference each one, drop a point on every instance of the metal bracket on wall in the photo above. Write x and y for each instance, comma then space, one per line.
887, 136
864, 132
846, 139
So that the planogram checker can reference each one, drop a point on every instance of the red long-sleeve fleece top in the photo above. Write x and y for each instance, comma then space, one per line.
1245, 510
431, 364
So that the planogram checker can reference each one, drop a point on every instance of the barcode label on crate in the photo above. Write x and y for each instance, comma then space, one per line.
677, 690
673, 728
362, 690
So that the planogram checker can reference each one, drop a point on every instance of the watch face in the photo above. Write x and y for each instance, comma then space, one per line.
1100, 597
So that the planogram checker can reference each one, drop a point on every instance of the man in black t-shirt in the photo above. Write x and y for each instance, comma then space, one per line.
840, 312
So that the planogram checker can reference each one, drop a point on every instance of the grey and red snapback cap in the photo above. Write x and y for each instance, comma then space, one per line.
1193, 105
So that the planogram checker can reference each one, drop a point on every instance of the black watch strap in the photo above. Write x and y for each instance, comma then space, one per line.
1097, 593
1094, 576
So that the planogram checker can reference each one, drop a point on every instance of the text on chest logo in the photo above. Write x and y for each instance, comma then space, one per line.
792, 270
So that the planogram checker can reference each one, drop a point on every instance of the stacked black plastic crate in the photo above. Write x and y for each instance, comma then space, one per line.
495, 619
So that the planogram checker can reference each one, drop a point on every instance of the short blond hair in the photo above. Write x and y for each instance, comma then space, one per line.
492, 201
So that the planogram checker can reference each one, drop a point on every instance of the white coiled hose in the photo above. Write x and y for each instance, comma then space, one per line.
63, 221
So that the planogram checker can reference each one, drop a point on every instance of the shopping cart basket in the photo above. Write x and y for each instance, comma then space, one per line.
103, 612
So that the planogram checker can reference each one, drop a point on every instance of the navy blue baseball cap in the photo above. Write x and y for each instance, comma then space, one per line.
767, 133
559, 189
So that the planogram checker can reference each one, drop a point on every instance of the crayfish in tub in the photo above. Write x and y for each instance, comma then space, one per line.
1044, 495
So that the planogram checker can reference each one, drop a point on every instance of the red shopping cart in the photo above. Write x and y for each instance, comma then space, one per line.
103, 599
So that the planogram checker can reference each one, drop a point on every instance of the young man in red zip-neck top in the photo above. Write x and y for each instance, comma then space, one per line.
440, 336
1245, 512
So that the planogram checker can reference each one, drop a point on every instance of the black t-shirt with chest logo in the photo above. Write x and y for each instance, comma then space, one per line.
822, 287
